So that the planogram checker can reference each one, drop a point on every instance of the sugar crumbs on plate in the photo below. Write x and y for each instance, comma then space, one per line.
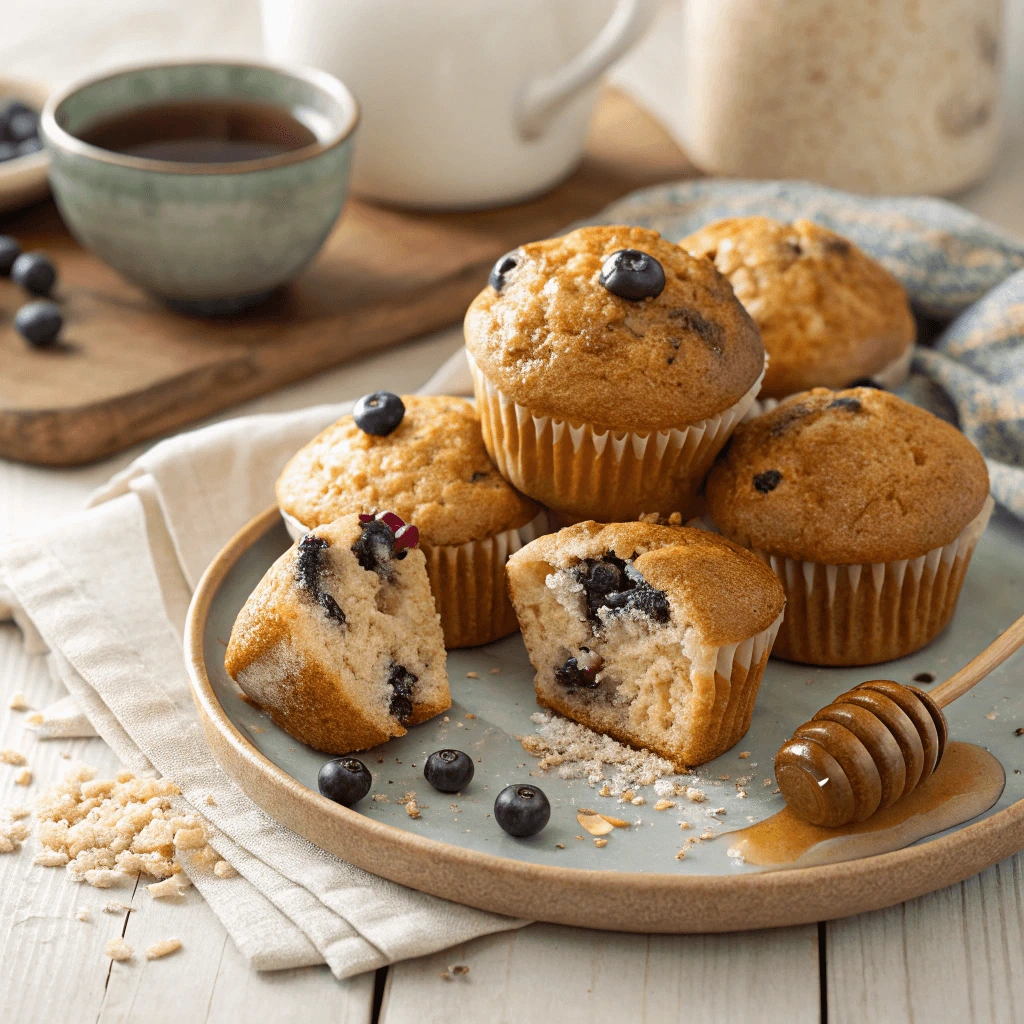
577, 752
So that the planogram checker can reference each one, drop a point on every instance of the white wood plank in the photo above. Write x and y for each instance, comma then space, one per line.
952, 955
551, 973
209, 980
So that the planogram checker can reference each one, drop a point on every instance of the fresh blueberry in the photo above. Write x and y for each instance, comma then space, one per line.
633, 275
39, 323
522, 810
449, 771
866, 382
22, 124
34, 272
8, 151
766, 482
378, 414
9, 252
28, 147
345, 780
507, 263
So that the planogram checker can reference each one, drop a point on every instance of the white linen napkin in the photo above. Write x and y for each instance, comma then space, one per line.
106, 592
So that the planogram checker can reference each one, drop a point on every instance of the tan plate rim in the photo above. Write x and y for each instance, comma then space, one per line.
611, 900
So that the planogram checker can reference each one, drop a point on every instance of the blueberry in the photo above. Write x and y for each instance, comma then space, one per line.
9, 252
507, 263
308, 567
866, 382
22, 124
28, 147
449, 771
522, 810
39, 323
574, 676
632, 275
613, 583
345, 780
375, 548
34, 272
402, 682
378, 414
847, 402
767, 481
8, 151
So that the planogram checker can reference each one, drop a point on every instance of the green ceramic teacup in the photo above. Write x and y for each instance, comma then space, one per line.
207, 238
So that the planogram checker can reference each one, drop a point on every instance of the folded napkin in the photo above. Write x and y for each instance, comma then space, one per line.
106, 591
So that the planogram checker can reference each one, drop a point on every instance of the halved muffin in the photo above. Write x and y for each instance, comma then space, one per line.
655, 635
340, 643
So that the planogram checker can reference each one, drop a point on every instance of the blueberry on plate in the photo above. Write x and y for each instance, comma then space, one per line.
22, 124
9, 252
449, 771
39, 323
632, 275
507, 263
345, 780
378, 414
34, 272
28, 147
522, 810
8, 151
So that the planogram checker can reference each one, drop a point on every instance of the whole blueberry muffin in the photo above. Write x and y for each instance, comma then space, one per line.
340, 643
610, 367
655, 635
867, 507
423, 458
830, 316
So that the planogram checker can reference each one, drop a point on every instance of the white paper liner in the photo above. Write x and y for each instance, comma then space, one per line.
581, 472
865, 614
890, 377
468, 581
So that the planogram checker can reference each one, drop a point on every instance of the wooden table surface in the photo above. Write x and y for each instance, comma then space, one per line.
956, 955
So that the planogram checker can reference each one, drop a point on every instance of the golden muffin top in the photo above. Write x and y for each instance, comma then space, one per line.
555, 339
727, 593
845, 478
828, 313
432, 470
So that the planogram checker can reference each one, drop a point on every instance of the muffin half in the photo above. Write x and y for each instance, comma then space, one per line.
829, 315
339, 643
657, 636
867, 507
610, 367
431, 468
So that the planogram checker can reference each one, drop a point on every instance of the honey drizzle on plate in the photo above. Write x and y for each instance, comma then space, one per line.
967, 782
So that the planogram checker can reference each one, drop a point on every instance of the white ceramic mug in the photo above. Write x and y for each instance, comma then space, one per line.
465, 103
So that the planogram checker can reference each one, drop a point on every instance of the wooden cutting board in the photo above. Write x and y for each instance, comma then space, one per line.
130, 369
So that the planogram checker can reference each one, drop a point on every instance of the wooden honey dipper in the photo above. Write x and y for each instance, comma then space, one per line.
876, 742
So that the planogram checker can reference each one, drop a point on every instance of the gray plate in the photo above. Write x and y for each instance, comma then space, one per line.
992, 598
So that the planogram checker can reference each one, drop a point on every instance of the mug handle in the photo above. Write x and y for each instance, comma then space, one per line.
542, 99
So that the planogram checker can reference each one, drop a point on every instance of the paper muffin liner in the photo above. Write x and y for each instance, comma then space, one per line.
890, 377
468, 581
581, 472
738, 669
865, 614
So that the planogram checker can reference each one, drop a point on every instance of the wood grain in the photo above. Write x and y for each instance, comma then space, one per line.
130, 369
954, 955
548, 973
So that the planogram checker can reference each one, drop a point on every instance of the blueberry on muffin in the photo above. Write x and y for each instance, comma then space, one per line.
867, 507
610, 367
340, 643
655, 635
829, 315
424, 459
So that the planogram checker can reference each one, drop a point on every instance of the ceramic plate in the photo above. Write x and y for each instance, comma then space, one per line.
455, 849
23, 180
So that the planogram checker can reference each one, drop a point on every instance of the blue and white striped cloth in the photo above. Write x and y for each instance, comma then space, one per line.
958, 270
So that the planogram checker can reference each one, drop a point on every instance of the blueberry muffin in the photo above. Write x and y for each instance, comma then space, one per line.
340, 643
423, 458
829, 315
867, 507
609, 369
655, 635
